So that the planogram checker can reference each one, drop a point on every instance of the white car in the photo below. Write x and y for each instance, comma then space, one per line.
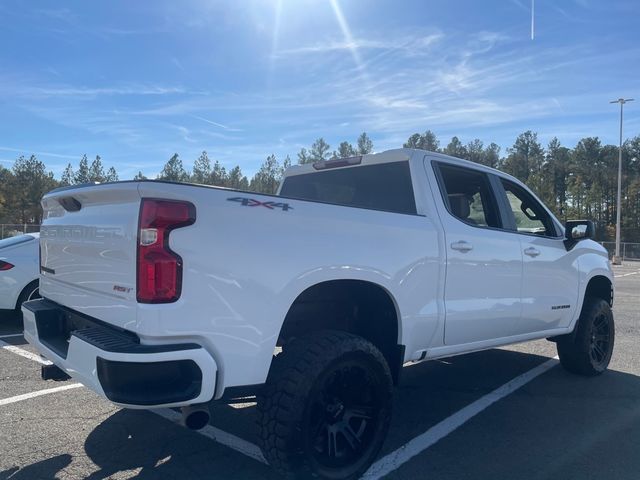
18, 270
163, 294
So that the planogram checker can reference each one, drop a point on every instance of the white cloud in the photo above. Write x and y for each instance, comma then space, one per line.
25, 151
476, 82
79, 91
409, 45
216, 124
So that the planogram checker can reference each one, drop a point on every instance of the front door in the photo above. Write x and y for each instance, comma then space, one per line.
550, 273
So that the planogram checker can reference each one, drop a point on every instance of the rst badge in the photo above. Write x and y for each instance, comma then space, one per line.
119, 288
252, 202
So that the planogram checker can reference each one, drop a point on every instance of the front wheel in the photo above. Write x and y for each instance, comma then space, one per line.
326, 407
589, 351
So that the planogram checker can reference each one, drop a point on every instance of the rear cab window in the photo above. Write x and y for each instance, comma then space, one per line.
384, 186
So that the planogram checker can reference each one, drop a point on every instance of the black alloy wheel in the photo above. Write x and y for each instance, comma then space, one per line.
343, 417
588, 350
326, 407
599, 346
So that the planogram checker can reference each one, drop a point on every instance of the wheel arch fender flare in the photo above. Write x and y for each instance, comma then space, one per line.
350, 286
597, 281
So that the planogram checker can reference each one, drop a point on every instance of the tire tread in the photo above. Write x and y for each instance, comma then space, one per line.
292, 375
573, 350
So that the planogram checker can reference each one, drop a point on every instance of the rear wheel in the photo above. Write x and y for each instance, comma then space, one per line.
326, 407
30, 292
589, 351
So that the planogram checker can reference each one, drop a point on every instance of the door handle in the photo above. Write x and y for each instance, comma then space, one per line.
462, 246
532, 252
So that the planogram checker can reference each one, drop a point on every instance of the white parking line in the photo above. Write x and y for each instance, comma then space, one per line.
382, 467
406, 452
38, 393
217, 435
23, 353
627, 274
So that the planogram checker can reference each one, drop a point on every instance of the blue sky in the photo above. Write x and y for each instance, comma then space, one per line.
137, 81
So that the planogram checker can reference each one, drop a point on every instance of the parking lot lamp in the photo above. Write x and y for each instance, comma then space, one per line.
617, 260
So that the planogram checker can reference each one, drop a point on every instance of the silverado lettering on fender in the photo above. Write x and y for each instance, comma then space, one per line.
313, 299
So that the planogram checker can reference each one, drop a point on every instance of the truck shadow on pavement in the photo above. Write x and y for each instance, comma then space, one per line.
149, 447
557, 426
10, 322
45, 469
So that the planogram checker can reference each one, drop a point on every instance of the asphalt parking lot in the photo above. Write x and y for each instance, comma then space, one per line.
503, 413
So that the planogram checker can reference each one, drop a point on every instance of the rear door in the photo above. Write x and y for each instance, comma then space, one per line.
550, 272
484, 261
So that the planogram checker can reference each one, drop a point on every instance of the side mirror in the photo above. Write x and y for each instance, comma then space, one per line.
576, 230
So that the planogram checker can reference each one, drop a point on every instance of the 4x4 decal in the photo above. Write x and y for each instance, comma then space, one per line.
252, 202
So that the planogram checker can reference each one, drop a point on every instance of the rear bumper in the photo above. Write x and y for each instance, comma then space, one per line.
114, 364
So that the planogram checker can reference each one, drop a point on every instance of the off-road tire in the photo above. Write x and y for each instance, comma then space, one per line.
291, 425
588, 351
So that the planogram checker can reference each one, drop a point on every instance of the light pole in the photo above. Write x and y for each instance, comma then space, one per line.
617, 260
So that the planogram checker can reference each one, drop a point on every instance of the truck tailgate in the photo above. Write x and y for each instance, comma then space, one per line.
88, 250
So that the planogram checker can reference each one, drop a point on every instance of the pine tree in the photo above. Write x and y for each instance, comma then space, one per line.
345, 150
525, 159
413, 141
319, 151
286, 164
365, 145
201, 169
237, 180
68, 177
218, 175
491, 155
455, 148
173, 170
267, 178
32, 181
140, 176
111, 176
96, 171
6, 195
426, 141
82, 175
475, 151
558, 159
303, 156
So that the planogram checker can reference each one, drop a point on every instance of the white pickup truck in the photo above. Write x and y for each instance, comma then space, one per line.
158, 294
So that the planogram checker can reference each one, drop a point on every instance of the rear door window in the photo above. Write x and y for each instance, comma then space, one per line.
468, 196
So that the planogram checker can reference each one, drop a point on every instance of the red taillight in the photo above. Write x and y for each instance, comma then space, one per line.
159, 268
5, 265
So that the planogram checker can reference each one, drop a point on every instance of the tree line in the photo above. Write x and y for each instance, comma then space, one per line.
578, 182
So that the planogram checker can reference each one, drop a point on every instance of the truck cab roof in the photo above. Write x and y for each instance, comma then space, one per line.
387, 156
